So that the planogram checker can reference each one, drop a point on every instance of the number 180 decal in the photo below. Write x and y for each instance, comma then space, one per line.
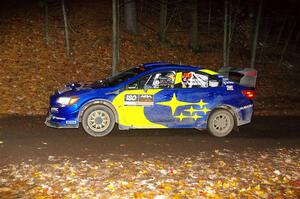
138, 100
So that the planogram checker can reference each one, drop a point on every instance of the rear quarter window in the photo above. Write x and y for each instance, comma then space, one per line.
196, 79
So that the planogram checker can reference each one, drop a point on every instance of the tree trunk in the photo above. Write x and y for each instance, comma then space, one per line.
255, 37
252, 13
280, 32
46, 25
163, 20
297, 40
232, 22
194, 31
229, 35
287, 41
118, 30
66, 29
209, 17
114, 37
140, 17
130, 16
225, 42
266, 32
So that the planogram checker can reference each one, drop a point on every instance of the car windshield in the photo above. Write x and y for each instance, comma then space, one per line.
119, 78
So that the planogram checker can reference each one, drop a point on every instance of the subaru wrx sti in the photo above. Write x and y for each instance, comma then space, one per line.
157, 95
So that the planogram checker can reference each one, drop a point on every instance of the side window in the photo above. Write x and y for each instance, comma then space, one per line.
195, 79
164, 79
138, 84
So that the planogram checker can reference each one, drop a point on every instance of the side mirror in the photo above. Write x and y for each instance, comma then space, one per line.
213, 83
132, 86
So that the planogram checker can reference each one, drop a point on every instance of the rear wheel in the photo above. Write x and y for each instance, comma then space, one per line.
98, 120
220, 123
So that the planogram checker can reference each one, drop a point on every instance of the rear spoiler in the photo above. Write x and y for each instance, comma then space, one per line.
242, 76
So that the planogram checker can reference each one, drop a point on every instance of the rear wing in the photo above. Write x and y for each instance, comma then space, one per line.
242, 76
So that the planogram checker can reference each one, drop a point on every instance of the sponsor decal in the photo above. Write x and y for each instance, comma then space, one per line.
54, 109
145, 98
138, 100
71, 122
58, 118
227, 81
245, 107
229, 87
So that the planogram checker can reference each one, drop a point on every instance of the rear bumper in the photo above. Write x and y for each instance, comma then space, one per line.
54, 122
244, 116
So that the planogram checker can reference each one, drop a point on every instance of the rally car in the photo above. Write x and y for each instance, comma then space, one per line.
156, 95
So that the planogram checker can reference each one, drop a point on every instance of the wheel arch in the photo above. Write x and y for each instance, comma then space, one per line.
228, 108
98, 102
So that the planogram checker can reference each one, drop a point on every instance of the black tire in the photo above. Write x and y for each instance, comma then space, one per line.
220, 123
98, 120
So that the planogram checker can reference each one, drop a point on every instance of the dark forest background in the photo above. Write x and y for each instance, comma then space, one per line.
45, 44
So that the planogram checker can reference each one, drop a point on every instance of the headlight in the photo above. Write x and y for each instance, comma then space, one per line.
67, 100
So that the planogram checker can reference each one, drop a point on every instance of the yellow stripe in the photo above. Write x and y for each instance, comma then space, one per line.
178, 78
210, 72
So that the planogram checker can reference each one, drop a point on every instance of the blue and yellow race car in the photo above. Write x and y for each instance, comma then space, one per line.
156, 95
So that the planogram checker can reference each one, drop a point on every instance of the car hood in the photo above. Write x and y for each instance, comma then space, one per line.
75, 87
81, 88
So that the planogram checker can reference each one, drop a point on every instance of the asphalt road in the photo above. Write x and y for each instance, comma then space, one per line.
24, 138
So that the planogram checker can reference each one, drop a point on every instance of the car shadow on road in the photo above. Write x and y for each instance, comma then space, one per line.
260, 127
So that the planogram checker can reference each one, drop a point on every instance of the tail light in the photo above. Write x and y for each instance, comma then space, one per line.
248, 93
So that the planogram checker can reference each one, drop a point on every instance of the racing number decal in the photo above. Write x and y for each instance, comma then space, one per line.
138, 100
131, 99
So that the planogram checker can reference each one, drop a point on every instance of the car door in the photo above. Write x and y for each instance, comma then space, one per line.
194, 95
137, 105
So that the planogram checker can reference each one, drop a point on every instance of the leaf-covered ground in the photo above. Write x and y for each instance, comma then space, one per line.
217, 174
30, 70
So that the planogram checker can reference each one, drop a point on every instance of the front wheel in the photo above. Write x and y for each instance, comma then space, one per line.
220, 123
98, 120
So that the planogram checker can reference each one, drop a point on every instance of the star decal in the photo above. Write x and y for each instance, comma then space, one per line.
195, 117
205, 110
174, 103
201, 103
180, 117
191, 110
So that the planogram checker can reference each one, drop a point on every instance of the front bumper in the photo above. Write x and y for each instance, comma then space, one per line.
55, 122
